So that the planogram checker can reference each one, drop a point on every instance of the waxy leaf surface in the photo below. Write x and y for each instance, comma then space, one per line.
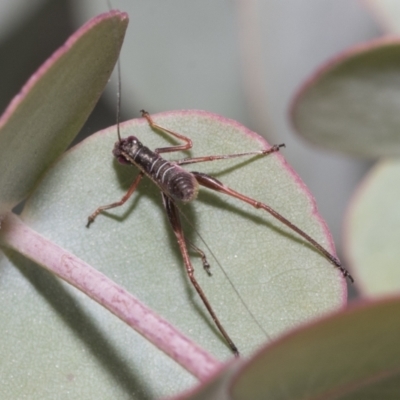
282, 280
348, 356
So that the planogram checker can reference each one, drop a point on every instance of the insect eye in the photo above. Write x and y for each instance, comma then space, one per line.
132, 140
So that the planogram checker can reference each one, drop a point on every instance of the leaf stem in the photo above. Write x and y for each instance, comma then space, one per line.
16, 235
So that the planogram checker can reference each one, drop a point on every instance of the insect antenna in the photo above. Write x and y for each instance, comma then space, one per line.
118, 116
118, 113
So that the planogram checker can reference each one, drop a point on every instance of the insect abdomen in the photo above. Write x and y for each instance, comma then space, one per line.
182, 186
179, 184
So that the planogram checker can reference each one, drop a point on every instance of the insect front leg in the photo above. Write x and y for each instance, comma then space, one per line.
188, 142
214, 184
126, 196
173, 217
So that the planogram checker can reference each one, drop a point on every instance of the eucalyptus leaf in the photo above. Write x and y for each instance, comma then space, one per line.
46, 115
353, 355
352, 103
349, 355
282, 280
373, 230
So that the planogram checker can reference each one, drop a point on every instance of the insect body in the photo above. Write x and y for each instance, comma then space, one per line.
178, 185
172, 179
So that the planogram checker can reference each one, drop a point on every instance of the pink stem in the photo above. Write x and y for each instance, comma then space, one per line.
20, 237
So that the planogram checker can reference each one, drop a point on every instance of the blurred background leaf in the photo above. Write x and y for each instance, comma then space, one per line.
48, 112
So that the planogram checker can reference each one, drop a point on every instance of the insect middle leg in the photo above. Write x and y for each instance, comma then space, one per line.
126, 196
189, 145
193, 160
173, 217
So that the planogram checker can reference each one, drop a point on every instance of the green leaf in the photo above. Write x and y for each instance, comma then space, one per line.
352, 355
282, 280
349, 355
373, 230
352, 103
45, 116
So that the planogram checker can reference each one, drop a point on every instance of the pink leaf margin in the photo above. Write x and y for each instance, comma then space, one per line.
224, 380
334, 62
59, 53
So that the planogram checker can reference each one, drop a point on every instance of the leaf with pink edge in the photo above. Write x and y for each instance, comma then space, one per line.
352, 103
348, 356
42, 120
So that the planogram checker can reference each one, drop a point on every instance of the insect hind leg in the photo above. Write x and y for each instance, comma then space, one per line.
173, 217
206, 264
214, 184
